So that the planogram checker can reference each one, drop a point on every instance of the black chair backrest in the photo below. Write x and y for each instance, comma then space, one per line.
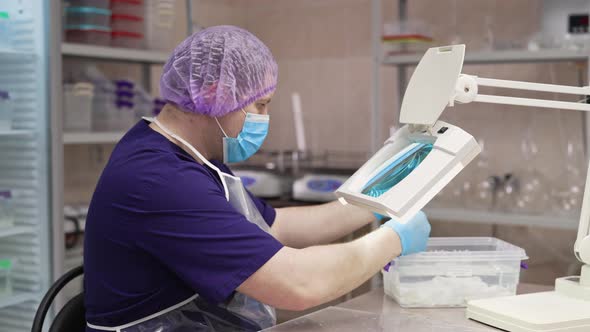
72, 317
72, 313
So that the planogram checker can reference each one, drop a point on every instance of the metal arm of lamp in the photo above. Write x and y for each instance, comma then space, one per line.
568, 307
467, 91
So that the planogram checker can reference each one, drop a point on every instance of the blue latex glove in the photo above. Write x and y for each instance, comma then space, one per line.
413, 234
380, 216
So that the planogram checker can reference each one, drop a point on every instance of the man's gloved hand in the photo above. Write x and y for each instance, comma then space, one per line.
413, 234
380, 216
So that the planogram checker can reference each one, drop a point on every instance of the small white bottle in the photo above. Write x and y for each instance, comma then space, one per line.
78, 99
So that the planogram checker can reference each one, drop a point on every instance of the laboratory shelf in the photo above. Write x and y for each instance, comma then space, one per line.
18, 298
17, 230
16, 133
490, 57
92, 138
16, 55
501, 218
113, 53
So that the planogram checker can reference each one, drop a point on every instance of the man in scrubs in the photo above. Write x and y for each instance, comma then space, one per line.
175, 243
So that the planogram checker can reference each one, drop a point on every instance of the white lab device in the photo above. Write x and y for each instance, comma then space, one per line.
317, 187
568, 307
390, 183
264, 183
565, 19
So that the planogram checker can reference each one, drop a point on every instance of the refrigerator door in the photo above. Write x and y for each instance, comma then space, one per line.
25, 145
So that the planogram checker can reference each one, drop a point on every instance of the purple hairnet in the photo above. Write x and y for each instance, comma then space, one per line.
217, 71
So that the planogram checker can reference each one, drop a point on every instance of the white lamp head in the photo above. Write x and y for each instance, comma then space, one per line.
440, 149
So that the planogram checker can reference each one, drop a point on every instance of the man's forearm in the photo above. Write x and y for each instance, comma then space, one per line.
304, 226
331, 276
297, 279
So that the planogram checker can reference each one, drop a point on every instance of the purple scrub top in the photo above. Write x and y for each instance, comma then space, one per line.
159, 230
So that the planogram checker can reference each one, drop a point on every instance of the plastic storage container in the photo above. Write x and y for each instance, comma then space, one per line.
124, 91
412, 36
126, 39
96, 35
78, 106
160, 25
5, 39
127, 23
125, 115
144, 104
6, 111
5, 277
88, 16
125, 85
103, 4
127, 7
6, 209
104, 111
453, 271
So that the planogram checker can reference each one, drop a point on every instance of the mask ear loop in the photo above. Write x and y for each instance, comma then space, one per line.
220, 127
197, 153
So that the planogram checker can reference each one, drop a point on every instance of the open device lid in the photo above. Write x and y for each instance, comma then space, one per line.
431, 85
416, 163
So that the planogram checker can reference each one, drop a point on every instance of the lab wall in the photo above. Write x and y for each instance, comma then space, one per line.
324, 52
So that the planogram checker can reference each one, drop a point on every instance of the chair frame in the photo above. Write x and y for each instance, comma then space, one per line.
47, 301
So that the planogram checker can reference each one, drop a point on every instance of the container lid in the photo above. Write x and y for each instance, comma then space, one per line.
407, 37
88, 28
4, 15
432, 85
5, 194
124, 104
442, 249
122, 17
124, 94
5, 264
127, 34
87, 10
131, 2
163, 4
124, 84
4, 94
83, 89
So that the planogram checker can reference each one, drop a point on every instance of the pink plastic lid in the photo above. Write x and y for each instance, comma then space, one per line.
126, 34
122, 17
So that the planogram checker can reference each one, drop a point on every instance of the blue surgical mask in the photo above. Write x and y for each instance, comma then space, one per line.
249, 140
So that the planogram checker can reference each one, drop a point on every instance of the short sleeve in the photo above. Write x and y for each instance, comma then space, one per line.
196, 233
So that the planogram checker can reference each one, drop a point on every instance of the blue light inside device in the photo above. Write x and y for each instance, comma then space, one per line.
397, 170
